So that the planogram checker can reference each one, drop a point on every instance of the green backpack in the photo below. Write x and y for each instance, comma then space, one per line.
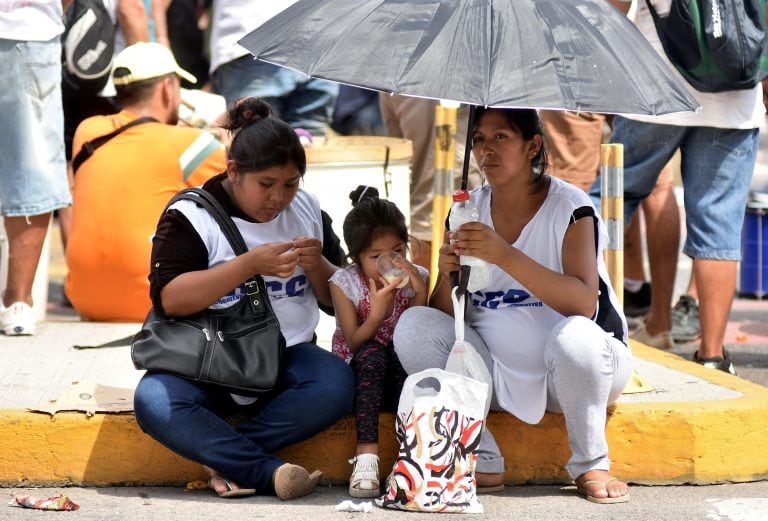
717, 45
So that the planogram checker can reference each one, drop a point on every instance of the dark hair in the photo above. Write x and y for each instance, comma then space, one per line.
260, 141
137, 91
528, 124
370, 218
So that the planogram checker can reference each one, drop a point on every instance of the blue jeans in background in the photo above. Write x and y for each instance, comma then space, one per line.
33, 169
297, 99
716, 169
316, 389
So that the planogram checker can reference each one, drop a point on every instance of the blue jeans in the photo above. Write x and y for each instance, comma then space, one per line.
716, 169
316, 389
33, 169
297, 99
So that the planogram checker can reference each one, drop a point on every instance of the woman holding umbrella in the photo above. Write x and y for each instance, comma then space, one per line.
549, 325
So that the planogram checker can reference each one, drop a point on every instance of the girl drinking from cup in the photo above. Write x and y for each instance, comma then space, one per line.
369, 296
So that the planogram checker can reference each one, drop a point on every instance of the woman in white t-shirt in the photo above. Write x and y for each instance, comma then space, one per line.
548, 325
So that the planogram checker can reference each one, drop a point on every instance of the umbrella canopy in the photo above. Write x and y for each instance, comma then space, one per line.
580, 55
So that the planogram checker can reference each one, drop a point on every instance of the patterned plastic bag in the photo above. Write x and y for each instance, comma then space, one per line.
438, 426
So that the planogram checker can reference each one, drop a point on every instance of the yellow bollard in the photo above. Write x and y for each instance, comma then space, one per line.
445, 149
612, 203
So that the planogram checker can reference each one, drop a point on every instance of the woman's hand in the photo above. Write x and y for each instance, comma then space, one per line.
310, 252
277, 259
478, 240
448, 259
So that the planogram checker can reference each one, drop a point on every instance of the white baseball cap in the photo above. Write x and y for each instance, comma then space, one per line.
146, 60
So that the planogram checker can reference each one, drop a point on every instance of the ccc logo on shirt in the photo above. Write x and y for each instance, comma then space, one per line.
293, 287
512, 298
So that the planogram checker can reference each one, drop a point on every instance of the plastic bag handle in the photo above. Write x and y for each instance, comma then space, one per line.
458, 314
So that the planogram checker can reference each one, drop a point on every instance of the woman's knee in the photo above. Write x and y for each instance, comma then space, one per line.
574, 340
152, 402
422, 338
332, 379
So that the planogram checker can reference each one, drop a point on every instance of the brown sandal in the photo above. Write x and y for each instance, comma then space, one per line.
604, 500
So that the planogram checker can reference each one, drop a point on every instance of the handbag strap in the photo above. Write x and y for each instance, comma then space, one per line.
254, 284
89, 147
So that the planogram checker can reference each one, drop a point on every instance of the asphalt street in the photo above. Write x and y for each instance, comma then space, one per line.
728, 502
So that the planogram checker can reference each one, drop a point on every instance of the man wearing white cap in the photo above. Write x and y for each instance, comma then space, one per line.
123, 186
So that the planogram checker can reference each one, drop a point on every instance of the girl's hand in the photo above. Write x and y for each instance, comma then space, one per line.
381, 299
414, 278
310, 252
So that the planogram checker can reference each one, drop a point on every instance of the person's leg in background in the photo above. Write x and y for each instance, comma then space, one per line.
574, 152
573, 144
717, 166
637, 292
647, 149
414, 119
686, 326
33, 180
662, 223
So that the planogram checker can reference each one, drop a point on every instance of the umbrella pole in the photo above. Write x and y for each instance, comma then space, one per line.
445, 150
612, 204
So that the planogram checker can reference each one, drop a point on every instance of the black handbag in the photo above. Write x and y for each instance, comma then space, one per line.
239, 348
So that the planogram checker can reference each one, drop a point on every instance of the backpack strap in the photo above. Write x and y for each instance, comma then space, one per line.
89, 147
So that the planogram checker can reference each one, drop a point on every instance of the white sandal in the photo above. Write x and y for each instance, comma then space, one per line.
364, 481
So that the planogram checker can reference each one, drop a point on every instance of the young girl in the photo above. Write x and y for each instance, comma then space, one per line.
367, 309
194, 268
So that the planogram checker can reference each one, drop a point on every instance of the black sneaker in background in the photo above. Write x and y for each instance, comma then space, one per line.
685, 320
721, 363
637, 303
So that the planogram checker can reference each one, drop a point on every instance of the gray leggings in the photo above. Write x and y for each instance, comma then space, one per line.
587, 370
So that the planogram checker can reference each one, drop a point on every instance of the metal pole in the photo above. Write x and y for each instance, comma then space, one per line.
612, 204
445, 150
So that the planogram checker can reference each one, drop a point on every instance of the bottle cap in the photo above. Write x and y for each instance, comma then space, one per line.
460, 195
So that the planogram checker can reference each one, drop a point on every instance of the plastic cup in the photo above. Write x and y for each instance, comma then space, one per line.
386, 265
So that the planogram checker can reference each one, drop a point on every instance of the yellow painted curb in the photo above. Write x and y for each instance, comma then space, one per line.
700, 442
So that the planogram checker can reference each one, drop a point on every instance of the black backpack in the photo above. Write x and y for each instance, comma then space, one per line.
717, 45
88, 45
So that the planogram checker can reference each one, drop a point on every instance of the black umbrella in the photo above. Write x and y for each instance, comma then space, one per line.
579, 55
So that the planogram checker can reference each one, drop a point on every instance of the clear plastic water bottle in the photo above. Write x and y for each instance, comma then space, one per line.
464, 211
